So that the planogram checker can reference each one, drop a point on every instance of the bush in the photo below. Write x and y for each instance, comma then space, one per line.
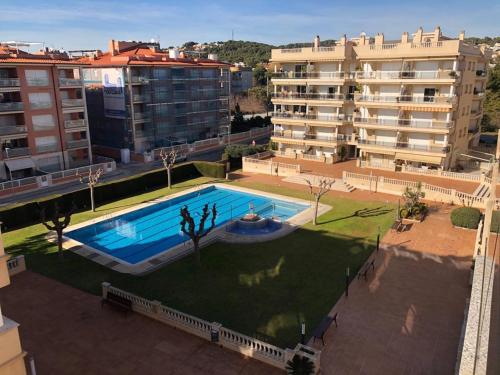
24, 214
495, 221
238, 150
466, 217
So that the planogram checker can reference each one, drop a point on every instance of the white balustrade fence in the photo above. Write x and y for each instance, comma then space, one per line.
225, 337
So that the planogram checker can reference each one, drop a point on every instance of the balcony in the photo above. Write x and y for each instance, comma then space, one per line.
443, 48
139, 80
317, 98
405, 100
311, 77
403, 146
41, 105
12, 107
310, 139
9, 82
141, 117
47, 148
301, 118
481, 73
16, 152
13, 129
38, 82
308, 54
70, 82
71, 124
403, 124
136, 98
78, 143
478, 94
68, 103
416, 76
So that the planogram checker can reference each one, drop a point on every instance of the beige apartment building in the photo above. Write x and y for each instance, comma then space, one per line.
43, 116
415, 101
11, 353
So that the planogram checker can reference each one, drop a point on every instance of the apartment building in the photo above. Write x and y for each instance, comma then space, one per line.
141, 98
43, 119
11, 353
241, 79
415, 101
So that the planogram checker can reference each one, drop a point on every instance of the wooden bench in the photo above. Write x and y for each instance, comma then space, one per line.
364, 272
320, 330
118, 302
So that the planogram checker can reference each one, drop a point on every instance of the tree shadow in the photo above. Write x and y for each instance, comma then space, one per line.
362, 213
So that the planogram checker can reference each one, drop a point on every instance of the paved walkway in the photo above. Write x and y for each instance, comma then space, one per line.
335, 170
67, 333
407, 317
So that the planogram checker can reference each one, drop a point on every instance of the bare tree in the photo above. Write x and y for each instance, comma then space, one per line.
60, 221
324, 186
92, 179
196, 236
168, 163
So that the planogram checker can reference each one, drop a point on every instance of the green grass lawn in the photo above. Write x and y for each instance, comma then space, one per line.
264, 290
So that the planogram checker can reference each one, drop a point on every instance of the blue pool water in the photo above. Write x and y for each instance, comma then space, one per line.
141, 234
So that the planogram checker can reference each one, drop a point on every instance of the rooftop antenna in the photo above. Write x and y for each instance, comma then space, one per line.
232, 34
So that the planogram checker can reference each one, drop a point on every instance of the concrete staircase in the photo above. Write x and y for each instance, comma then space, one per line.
482, 191
338, 185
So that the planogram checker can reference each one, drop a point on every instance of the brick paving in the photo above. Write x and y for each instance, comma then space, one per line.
335, 170
407, 317
67, 333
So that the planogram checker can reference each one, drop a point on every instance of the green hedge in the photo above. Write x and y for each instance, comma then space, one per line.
24, 214
466, 217
495, 221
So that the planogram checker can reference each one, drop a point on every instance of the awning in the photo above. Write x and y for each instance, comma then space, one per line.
18, 164
418, 158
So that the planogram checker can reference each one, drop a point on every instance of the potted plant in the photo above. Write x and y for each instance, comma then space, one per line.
413, 209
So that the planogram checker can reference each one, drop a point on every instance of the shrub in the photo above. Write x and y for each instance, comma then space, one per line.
239, 150
404, 213
466, 217
21, 215
495, 221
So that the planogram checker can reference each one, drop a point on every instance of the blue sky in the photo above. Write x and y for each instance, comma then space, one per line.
88, 24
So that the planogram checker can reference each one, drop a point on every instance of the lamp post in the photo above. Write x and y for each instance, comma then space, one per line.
303, 333
347, 282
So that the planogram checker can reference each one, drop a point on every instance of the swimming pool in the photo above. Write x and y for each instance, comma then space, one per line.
136, 236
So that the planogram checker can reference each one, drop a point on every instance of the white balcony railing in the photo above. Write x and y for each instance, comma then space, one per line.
12, 106
13, 129
404, 145
312, 116
67, 82
9, 82
334, 138
312, 75
412, 123
308, 96
72, 102
69, 124
403, 99
419, 74
16, 152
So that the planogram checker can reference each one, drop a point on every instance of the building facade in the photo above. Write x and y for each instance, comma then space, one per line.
141, 98
11, 353
43, 118
241, 79
416, 101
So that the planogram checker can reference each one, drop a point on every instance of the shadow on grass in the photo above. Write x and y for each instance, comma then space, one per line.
362, 213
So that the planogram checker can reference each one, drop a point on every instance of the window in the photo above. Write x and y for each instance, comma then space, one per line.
429, 94
46, 144
43, 122
37, 77
40, 100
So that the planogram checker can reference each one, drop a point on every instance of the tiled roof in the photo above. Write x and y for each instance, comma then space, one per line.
9, 55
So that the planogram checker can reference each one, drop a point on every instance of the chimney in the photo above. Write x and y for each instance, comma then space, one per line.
437, 33
404, 37
362, 39
379, 39
343, 40
316, 42
418, 35
112, 47
461, 36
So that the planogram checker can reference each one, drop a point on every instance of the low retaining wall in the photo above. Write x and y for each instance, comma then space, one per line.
396, 187
16, 265
258, 164
445, 174
215, 332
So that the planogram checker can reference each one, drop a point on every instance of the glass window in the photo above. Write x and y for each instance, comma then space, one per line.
37, 77
43, 122
39, 100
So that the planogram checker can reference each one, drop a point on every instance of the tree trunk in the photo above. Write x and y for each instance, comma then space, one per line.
92, 198
197, 255
316, 204
59, 244
169, 178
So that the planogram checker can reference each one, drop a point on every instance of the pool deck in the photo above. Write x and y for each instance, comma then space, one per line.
181, 250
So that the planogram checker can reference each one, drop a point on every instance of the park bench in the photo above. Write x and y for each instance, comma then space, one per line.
320, 330
364, 272
118, 302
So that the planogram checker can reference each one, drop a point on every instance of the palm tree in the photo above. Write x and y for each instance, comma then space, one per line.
299, 365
